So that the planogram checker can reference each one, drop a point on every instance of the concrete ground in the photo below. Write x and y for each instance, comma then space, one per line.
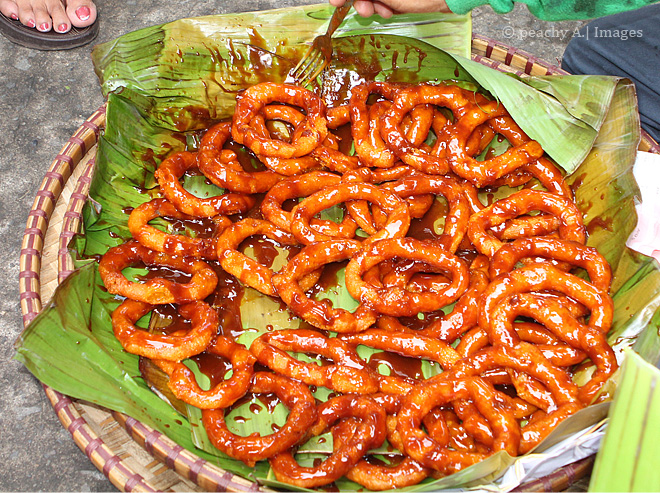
44, 97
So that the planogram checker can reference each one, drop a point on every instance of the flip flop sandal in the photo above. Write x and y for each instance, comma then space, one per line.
30, 37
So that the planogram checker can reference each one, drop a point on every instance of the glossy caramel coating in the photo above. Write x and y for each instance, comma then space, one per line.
172, 347
172, 244
406, 100
348, 374
369, 144
571, 225
542, 169
464, 314
398, 216
398, 301
375, 476
411, 345
223, 168
369, 433
543, 277
308, 135
333, 159
407, 345
525, 358
320, 313
486, 172
294, 395
302, 186
247, 270
185, 387
438, 391
168, 175
372, 219
292, 116
155, 291
552, 249
456, 220
553, 315
558, 353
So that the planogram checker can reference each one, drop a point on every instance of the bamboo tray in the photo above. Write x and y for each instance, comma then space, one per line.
133, 456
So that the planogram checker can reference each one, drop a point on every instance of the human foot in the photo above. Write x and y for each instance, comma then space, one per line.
47, 15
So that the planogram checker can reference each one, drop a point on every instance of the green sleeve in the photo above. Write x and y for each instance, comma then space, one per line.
554, 10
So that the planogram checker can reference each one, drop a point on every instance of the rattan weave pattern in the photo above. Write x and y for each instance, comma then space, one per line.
133, 456
44, 204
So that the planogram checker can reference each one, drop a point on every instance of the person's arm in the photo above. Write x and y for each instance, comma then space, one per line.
554, 10
386, 8
550, 10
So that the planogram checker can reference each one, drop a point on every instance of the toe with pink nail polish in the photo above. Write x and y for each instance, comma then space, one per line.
83, 13
53, 24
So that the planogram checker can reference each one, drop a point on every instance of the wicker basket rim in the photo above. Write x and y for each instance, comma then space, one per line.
486, 51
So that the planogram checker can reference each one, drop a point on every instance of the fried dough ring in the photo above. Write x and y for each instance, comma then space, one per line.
534, 432
302, 414
337, 116
359, 210
173, 168
551, 387
223, 168
588, 258
319, 313
307, 136
369, 433
560, 322
156, 291
397, 301
571, 225
465, 313
483, 173
410, 345
538, 382
456, 220
526, 226
247, 270
438, 391
172, 244
172, 347
329, 156
369, 146
376, 477
557, 352
451, 97
185, 387
542, 277
398, 216
543, 169
303, 186
404, 344
290, 115
349, 374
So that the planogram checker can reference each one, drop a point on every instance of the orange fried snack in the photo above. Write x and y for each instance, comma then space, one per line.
475, 297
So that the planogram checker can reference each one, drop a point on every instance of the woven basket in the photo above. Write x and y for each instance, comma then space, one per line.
133, 456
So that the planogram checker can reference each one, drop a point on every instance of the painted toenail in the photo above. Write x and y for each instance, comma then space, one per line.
83, 13
44, 27
31, 23
14, 16
62, 28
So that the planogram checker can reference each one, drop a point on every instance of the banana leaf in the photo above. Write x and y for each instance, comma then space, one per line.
165, 84
628, 459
